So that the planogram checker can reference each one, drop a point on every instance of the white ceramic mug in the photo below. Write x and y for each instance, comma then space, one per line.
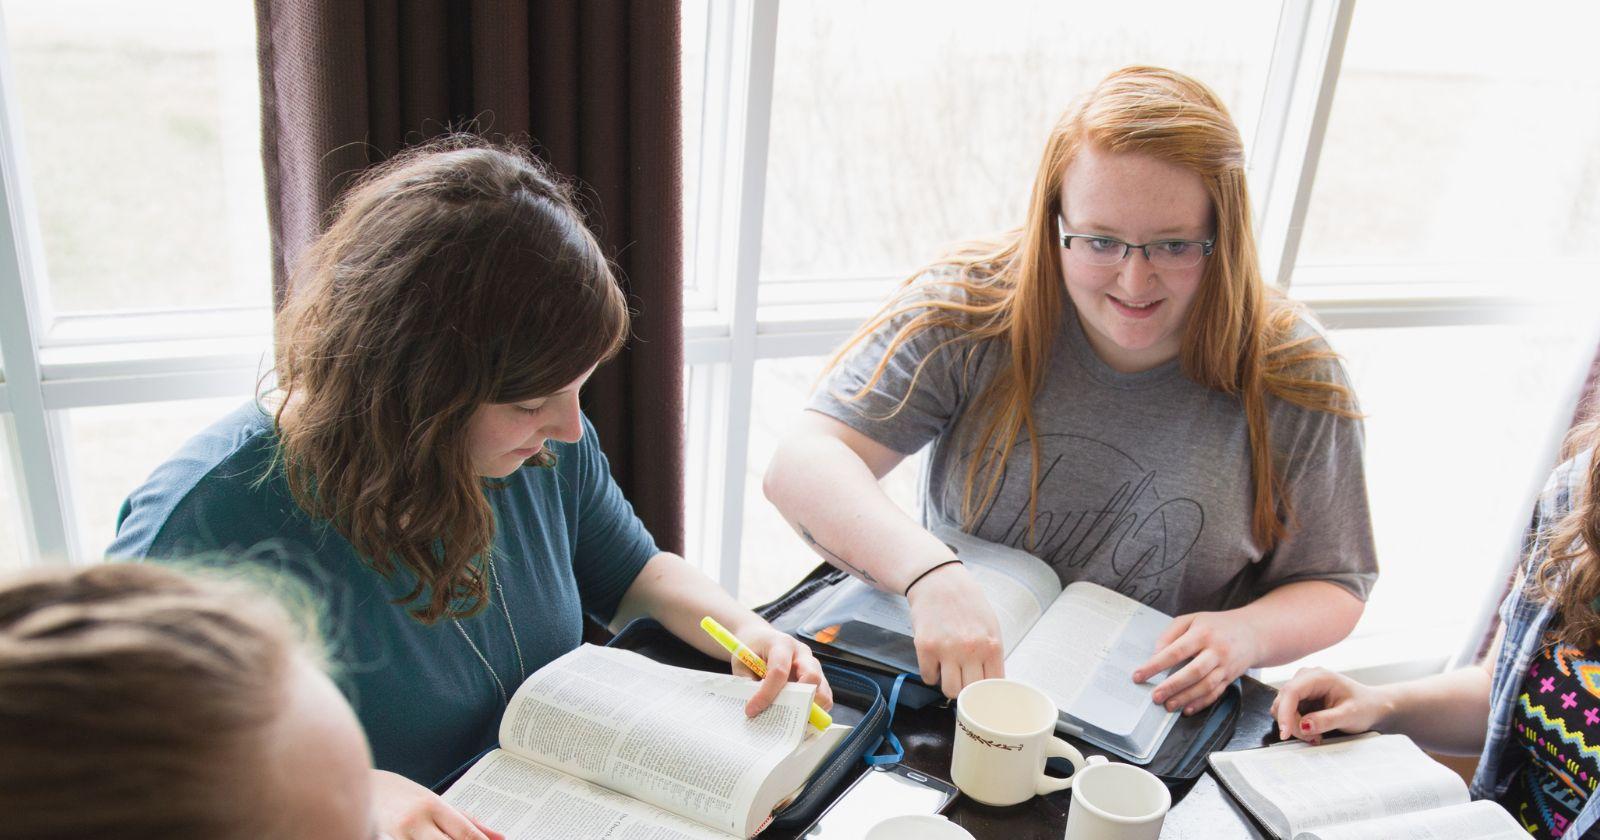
917, 827
1116, 802
1005, 730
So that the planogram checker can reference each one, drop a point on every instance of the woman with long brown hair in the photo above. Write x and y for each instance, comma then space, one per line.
1531, 710
1113, 388
137, 703
425, 467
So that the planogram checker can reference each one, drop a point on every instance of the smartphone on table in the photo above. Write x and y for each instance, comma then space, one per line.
883, 791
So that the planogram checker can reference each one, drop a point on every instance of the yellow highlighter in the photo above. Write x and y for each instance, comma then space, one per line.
819, 718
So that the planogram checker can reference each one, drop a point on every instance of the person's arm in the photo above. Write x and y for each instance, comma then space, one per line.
824, 480
1446, 713
1286, 623
676, 594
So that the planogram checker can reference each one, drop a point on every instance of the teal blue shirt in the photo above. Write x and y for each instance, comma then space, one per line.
566, 542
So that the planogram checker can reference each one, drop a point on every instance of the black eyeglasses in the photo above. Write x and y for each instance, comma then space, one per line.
1170, 254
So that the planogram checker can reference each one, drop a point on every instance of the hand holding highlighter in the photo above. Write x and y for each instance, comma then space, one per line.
819, 718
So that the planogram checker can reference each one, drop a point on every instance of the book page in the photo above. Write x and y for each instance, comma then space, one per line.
1082, 653
1346, 781
527, 801
877, 625
673, 737
1482, 820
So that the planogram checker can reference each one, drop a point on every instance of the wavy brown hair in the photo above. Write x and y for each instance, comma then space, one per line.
1569, 575
136, 703
1008, 289
456, 275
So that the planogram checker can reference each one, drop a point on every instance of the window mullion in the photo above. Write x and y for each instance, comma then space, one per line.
1294, 169
38, 439
1266, 149
761, 34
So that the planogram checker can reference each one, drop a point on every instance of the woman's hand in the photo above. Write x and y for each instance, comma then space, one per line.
787, 659
957, 634
1343, 704
1219, 647
406, 810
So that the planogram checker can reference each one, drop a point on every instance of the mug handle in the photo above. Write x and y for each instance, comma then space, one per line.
1057, 748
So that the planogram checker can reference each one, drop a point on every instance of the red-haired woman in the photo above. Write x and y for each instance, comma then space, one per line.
425, 467
1113, 388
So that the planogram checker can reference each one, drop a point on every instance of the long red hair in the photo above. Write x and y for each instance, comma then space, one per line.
1239, 339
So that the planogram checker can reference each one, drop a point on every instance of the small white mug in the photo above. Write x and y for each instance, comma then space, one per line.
917, 827
1005, 730
1116, 802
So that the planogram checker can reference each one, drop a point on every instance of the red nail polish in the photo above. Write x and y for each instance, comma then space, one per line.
1305, 725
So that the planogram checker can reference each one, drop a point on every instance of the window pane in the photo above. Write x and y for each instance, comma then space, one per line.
1458, 419
14, 550
142, 123
900, 126
1478, 145
106, 467
773, 558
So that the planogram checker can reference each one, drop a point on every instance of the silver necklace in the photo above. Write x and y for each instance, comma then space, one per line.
505, 609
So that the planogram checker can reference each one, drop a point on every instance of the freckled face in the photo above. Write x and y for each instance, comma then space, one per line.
502, 436
1132, 313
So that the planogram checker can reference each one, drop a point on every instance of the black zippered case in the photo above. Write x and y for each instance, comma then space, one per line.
857, 701
1179, 762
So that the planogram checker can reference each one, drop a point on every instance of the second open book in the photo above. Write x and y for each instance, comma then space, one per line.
1369, 787
606, 743
1079, 645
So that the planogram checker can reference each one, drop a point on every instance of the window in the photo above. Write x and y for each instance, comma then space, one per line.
1448, 159
142, 127
1459, 425
105, 467
132, 179
828, 152
964, 95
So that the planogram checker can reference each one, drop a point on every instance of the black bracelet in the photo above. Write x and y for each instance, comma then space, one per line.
928, 571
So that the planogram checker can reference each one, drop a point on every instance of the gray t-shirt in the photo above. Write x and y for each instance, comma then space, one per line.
1144, 478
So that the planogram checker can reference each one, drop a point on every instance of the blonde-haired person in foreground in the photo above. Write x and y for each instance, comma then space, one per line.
1539, 754
139, 703
1112, 387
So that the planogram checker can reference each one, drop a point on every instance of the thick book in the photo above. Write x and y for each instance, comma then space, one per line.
1367, 787
606, 743
1078, 644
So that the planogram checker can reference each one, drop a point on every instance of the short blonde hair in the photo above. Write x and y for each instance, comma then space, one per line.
134, 701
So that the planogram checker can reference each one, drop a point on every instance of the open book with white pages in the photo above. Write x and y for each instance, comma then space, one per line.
606, 743
1367, 787
1078, 644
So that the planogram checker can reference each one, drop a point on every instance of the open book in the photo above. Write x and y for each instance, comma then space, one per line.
606, 743
1369, 786
1079, 644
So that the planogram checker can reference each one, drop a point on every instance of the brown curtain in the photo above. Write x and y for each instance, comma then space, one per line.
593, 83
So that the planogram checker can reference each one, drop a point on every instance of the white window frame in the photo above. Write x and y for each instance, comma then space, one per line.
53, 364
